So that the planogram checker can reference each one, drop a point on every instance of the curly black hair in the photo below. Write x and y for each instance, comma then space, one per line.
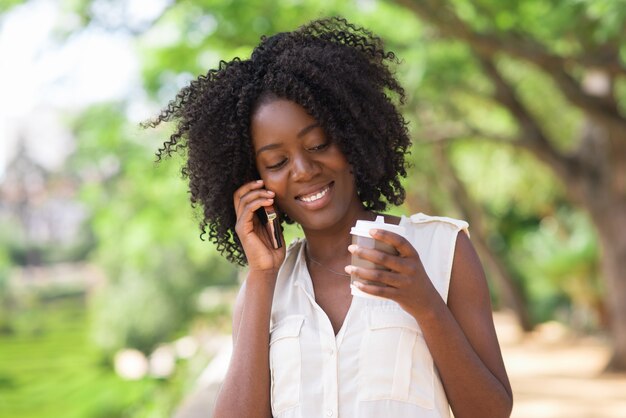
336, 71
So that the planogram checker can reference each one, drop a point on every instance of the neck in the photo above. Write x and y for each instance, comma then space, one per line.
331, 245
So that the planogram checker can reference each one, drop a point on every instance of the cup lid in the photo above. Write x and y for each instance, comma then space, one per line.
362, 228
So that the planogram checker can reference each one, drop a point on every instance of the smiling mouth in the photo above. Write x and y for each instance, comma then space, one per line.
312, 197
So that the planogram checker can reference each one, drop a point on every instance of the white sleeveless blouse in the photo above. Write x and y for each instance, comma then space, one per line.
378, 364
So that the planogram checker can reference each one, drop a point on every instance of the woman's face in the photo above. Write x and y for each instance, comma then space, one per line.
311, 177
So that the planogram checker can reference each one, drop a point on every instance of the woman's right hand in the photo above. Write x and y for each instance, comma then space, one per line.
254, 240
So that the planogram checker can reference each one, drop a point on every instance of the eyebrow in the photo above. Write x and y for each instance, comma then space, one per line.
307, 129
300, 134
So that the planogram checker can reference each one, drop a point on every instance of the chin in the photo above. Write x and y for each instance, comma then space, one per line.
321, 220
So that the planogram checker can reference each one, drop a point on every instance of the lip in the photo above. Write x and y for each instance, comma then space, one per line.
314, 189
323, 201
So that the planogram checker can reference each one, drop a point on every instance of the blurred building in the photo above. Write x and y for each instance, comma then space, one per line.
39, 210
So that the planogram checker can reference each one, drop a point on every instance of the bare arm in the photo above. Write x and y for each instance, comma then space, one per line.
460, 334
463, 342
245, 392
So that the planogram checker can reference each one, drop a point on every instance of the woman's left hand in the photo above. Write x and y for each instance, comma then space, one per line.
405, 281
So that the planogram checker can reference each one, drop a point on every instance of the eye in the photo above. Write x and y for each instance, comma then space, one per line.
277, 165
320, 147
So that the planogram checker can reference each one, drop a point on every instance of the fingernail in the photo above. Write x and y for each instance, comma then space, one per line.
349, 269
270, 200
357, 284
373, 232
352, 247
259, 181
271, 192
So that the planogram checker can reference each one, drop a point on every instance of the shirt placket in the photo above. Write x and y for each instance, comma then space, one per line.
328, 345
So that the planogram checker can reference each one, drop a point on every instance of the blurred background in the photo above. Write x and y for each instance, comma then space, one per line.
112, 306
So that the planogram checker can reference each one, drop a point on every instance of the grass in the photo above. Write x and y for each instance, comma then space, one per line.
49, 369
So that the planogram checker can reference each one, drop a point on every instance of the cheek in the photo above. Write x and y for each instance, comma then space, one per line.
342, 166
338, 160
277, 182
274, 182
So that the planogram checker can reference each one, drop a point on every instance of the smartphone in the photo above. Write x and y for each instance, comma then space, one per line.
269, 219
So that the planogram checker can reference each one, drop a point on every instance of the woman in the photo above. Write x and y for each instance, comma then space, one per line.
307, 125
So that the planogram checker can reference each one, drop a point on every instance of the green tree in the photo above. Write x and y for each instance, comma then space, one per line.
556, 69
529, 75
145, 232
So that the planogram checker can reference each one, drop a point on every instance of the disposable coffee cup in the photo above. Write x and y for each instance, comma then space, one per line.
361, 237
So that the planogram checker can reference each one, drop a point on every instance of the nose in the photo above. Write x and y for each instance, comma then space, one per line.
304, 167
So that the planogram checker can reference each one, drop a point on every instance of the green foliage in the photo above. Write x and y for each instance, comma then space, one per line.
549, 248
565, 25
502, 178
7, 5
561, 255
445, 84
50, 345
145, 234
192, 37
5, 312
34, 363
454, 98
135, 312
22, 251
147, 241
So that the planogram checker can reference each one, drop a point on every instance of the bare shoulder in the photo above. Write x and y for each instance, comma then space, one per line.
468, 284
466, 261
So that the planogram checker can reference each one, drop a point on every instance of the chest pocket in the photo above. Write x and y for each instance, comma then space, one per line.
394, 361
285, 363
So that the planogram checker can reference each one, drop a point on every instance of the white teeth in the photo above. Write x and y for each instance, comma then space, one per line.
315, 197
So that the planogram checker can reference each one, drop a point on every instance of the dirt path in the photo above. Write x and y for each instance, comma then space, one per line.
556, 375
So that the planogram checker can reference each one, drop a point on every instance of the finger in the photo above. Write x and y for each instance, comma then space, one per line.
404, 247
247, 212
251, 196
381, 291
385, 277
247, 187
381, 258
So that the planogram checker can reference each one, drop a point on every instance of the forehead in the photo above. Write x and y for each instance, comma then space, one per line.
278, 119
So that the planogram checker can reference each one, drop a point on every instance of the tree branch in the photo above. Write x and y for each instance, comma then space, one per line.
435, 135
487, 45
510, 292
528, 49
532, 135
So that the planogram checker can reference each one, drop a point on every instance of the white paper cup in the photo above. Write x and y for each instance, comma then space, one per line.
361, 237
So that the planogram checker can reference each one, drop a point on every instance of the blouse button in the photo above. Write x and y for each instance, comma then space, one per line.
329, 412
